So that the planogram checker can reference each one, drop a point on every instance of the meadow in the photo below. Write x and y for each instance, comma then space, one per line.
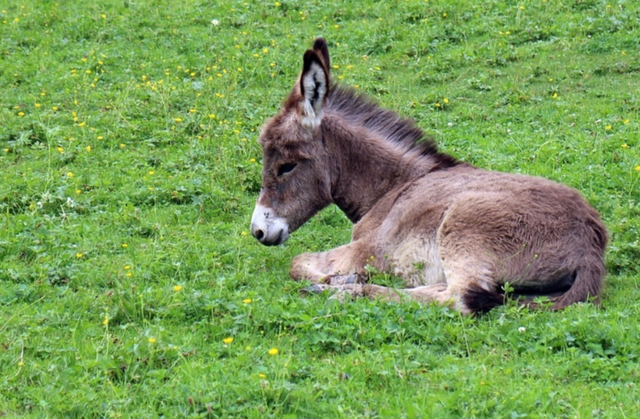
130, 285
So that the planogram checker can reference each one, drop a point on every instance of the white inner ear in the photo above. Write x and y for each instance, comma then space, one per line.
314, 83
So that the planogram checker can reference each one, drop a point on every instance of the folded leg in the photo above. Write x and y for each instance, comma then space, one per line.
332, 267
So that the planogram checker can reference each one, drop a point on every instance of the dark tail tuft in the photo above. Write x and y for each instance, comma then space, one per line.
479, 301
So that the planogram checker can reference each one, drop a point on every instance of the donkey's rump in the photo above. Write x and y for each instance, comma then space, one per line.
535, 234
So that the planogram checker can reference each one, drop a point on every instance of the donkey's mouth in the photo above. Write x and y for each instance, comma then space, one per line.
267, 228
278, 240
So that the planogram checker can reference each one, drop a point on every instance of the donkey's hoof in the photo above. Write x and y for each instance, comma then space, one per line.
337, 280
315, 289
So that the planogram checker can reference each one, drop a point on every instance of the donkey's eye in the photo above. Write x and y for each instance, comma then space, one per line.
286, 168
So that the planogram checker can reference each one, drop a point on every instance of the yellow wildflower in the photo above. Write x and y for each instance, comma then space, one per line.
152, 340
248, 300
273, 351
228, 340
177, 288
70, 174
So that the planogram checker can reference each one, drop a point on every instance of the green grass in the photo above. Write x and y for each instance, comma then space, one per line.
129, 169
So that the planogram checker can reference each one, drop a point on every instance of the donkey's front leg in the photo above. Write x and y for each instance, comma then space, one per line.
335, 266
339, 271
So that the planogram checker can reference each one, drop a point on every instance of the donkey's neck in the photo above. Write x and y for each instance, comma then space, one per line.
365, 167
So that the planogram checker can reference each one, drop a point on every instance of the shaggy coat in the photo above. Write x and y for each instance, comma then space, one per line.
456, 234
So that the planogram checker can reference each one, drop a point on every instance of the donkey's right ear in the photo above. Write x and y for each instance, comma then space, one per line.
314, 86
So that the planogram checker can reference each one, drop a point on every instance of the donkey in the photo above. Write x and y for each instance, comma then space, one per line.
454, 233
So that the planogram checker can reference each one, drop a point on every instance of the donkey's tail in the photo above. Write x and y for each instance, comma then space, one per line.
590, 270
587, 285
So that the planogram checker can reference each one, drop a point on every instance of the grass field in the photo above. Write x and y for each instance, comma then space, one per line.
130, 287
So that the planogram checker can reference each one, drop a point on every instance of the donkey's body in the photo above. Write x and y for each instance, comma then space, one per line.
455, 233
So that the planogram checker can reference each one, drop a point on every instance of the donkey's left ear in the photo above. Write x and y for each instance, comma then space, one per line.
314, 85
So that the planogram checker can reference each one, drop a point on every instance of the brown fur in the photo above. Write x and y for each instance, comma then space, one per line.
455, 233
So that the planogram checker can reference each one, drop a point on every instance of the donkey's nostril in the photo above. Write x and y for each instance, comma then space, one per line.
259, 234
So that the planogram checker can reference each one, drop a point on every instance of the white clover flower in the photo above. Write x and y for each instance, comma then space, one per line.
522, 329
215, 22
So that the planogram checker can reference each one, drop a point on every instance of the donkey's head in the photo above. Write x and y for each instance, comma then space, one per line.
296, 167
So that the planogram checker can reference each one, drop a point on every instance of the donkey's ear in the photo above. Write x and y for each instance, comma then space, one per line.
320, 45
314, 86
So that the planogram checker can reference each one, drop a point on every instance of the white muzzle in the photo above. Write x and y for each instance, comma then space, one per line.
267, 228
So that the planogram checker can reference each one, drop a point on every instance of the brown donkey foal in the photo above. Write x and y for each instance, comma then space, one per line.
456, 234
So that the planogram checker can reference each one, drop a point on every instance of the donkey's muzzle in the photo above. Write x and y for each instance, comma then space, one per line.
267, 228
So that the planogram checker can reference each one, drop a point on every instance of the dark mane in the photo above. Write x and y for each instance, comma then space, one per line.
387, 123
